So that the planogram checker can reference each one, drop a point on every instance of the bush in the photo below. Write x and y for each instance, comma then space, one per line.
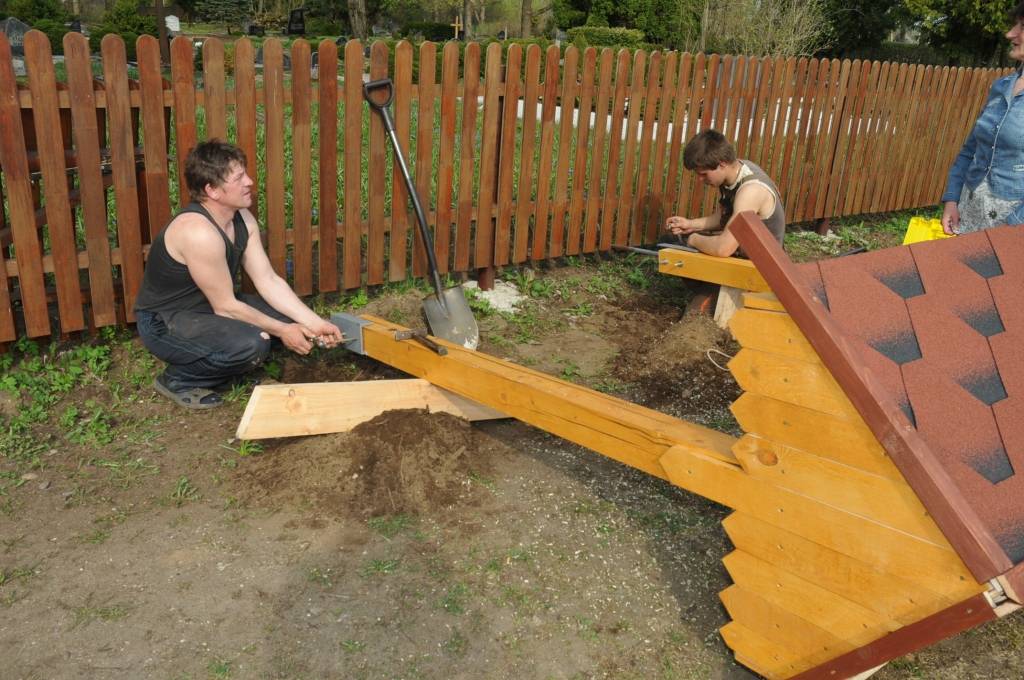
430, 30
123, 19
321, 26
905, 54
603, 36
55, 31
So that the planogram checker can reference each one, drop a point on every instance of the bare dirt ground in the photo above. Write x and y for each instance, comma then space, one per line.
138, 540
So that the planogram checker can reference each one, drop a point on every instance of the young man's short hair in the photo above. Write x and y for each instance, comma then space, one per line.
209, 163
1017, 13
707, 150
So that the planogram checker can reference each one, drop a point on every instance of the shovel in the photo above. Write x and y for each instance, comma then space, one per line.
447, 311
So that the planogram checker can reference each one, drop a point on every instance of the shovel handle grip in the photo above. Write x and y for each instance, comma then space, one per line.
373, 86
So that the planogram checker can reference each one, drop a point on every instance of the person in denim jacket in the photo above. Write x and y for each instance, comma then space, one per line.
985, 187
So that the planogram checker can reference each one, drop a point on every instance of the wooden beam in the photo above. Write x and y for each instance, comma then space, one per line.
944, 624
726, 271
322, 408
621, 430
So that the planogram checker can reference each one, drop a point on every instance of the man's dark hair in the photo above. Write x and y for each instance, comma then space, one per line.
209, 163
1017, 13
706, 150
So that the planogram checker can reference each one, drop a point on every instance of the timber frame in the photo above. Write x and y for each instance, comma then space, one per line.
843, 558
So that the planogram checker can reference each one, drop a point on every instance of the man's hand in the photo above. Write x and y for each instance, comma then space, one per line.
679, 225
951, 218
298, 338
326, 334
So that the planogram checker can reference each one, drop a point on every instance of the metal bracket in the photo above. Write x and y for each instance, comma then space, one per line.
352, 327
421, 337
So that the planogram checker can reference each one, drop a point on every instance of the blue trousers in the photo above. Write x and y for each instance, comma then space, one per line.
202, 349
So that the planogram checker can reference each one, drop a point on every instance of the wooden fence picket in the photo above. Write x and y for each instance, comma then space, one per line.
446, 156
154, 134
542, 206
524, 201
273, 109
623, 219
245, 113
656, 198
424, 147
59, 223
122, 160
467, 156
595, 186
184, 88
399, 231
302, 169
637, 226
378, 145
214, 93
327, 167
90, 179
352, 255
506, 172
567, 104
618, 115
483, 251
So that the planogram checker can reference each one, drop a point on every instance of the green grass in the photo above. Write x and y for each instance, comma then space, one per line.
89, 612
390, 526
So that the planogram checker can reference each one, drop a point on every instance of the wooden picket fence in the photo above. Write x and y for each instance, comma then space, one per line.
529, 155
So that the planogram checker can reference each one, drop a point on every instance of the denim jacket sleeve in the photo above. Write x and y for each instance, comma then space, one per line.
958, 171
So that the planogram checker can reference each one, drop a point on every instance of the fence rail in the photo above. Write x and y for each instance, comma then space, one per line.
519, 156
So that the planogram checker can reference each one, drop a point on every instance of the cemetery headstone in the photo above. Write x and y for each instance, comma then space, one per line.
297, 22
15, 30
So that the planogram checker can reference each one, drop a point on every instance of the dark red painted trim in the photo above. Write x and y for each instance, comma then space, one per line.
969, 536
939, 626
1015, 583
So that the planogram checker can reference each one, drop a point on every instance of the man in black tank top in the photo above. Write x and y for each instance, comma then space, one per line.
741, 185
188, 313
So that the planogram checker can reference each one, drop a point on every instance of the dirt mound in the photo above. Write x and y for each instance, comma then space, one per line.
407, 461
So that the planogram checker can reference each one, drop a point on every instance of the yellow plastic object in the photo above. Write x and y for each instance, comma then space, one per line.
923, 229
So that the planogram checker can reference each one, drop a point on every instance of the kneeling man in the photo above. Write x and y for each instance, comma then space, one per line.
188, 313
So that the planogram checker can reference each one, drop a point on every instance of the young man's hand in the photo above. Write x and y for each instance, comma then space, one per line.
680, 226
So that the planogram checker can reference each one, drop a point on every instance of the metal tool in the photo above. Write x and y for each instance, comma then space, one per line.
447, 310
421, 337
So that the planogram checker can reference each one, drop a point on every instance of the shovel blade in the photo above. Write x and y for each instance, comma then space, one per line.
450, 317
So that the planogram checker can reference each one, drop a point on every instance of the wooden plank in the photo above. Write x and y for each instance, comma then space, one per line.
807, 137
959, 522
578, 199
901, 138
541, 216
842, 112
772, 332
526, 153
595, 187
567, 101
900, 599
766, 301
42, 84
467, 156
623, 431
28, 250
943, 110
684, 126
747, 111
727, 271
214, 104
302, 169
846, 441
154, 136
793, 116
273, 108
507, 153
611, 168
490, 139
624, 221
937, 568
375, 245
122, 159
399, 234
780, 104
807, 642
947, 623
872, 114
728, 303
838, 82
760, 655
891, 109
352, 256
424, 146
245, 113
327, 115
183, 87
90, 179
882, 499
643, 192
804, 383
446, 157
321, 408
847, 158
656, 204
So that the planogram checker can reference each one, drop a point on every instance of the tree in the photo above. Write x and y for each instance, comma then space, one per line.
357, 19
230, 13
966, 30
784, 27
859, 24
124, 19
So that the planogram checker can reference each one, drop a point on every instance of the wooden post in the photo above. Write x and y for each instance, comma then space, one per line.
457, 25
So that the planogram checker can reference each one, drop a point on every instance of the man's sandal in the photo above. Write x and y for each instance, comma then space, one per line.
195, 398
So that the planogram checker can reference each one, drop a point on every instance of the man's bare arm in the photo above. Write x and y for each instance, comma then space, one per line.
752, 197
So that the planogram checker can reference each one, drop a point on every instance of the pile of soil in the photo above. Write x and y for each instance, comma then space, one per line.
405, 461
